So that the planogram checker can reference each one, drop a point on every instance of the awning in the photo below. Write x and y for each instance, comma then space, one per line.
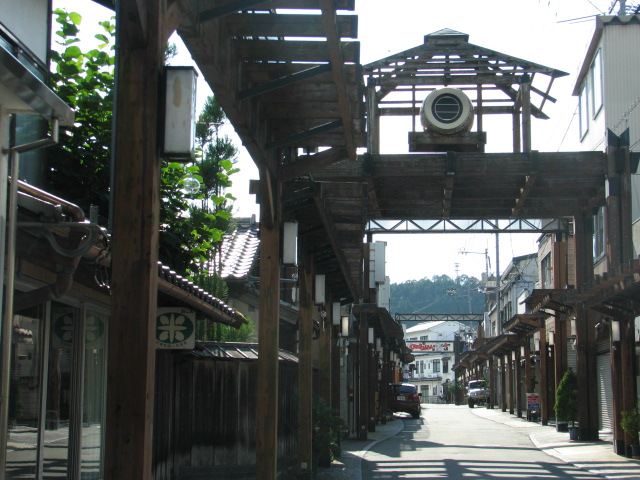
524, 324
503, 344
551, 301
384, 323
22, 91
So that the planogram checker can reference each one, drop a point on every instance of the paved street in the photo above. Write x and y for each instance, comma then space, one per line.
456, 443
451, 442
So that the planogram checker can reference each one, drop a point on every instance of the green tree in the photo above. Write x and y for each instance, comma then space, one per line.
566, 403
79, 167
440, 294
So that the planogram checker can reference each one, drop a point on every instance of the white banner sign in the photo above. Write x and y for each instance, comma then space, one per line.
175, 328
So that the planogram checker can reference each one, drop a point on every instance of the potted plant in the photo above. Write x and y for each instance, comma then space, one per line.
566, 404
327, 426
630, 423
454, 390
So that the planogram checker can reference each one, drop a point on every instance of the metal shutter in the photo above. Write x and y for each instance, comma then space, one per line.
605, 394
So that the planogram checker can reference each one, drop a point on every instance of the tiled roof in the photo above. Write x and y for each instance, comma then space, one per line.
238, 351
239, 250
174, 285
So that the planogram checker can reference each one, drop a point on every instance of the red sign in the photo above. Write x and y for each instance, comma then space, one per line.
431, 347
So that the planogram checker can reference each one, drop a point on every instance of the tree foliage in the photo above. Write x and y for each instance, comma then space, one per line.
440, 294
79, 167
566, 403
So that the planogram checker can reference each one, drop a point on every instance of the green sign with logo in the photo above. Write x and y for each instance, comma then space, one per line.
175, 328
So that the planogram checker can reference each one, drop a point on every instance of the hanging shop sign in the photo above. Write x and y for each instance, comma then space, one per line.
175, 328
435, 346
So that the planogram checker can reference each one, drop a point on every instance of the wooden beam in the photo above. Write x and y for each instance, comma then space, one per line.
312, 163
227, 9
135, 13
283, 81
526, 189
296, 138
450, 171
131, 353
327, 221
288, 25
337, 66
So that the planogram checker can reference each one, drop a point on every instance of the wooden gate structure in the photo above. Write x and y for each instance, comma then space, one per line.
299, 108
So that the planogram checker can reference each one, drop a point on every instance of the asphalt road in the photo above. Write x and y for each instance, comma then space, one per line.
450, 442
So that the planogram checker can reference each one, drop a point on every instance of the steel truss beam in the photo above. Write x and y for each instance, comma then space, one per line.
439, 317
519, 225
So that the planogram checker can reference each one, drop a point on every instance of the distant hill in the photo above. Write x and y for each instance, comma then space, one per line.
441, 294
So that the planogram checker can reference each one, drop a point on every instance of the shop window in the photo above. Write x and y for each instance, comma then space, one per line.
598, 234
546, 272
596, 82
583, 110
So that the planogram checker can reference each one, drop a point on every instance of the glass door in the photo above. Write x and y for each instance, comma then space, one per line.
28, 343
58, 393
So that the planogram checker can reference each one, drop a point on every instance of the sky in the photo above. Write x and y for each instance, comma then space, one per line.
553, 33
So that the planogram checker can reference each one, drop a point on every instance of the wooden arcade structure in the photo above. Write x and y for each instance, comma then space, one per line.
302, 110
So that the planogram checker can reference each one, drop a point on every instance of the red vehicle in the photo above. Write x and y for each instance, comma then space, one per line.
404, 397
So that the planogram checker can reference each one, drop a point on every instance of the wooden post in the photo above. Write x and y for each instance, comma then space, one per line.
134, 274
512, 387
619, 241
517, 144
527, 370
518, 384
479, 108
325, 355
586, 368
492, 382
503, 381
363, 387
373, 137
627, 361
585, 331
613, 242
384, 387
544, 385
268, 330
560, 349
373, 384
305, 366
525, 92
336, 392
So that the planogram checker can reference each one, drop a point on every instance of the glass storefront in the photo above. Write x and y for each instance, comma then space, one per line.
57, 425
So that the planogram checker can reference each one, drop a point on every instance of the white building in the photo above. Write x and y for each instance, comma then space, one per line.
433, 345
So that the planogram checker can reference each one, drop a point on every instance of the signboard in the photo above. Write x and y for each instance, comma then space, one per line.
435, 347
533, 401
175, 328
